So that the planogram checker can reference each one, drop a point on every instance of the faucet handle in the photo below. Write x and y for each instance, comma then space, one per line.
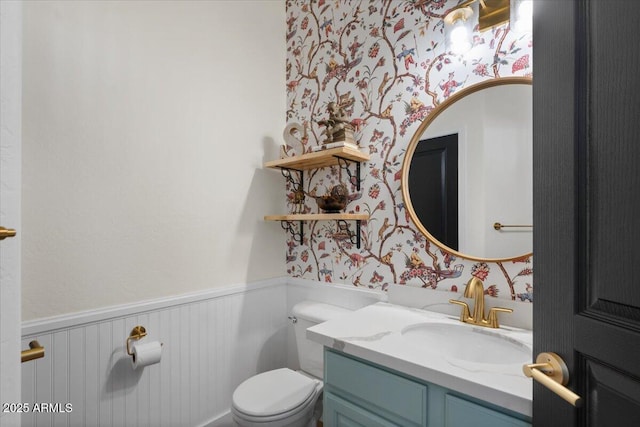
465, 313
492, 320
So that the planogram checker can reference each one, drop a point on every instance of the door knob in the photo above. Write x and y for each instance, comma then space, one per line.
6, 232
551, 371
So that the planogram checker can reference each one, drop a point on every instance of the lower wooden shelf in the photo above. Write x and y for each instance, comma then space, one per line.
287, 221
317, 217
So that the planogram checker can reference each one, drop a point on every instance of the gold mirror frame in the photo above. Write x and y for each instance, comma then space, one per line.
406, 163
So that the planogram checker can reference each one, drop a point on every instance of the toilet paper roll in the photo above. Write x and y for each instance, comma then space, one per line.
145, 354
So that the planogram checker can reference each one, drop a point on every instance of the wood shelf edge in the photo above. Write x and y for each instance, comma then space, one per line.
318, 159
317, 217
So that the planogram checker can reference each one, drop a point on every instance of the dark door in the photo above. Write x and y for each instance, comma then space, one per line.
586, 96
433, 184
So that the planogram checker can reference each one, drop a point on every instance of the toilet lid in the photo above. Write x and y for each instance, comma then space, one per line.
273, 392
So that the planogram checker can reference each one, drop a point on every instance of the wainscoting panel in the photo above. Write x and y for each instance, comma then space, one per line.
211, 342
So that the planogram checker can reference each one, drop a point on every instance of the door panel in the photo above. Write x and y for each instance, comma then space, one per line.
612, 393
608, 78
622, 345
586, 204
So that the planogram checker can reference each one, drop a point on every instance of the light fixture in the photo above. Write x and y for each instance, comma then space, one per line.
521, 16
458, 29
460, 21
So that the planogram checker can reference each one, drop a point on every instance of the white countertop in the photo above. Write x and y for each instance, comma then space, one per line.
374, 333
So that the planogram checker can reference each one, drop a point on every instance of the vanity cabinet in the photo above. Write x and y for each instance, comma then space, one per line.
358, 393
340, 156
340, 412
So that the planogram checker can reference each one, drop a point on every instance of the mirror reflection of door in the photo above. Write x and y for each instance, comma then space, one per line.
434, 182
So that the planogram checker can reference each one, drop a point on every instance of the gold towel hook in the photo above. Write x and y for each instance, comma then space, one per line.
6, 232
499, 226
136, 333
35, 351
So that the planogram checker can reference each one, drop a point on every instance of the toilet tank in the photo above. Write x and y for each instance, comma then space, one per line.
308, 314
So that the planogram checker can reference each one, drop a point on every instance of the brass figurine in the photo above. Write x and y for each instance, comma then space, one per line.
338, 125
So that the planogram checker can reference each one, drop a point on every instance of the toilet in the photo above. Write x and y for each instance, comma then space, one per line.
284, 397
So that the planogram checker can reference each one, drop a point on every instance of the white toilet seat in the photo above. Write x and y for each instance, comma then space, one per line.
278, 395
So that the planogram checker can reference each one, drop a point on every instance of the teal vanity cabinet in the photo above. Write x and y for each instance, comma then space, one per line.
358, 393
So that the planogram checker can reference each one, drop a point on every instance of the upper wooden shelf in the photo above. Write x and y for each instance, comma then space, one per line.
318, 159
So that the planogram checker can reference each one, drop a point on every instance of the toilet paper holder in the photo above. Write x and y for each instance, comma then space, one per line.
136, 333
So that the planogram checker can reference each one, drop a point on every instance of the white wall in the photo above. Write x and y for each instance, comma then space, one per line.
10, 134
509, 144
145, 128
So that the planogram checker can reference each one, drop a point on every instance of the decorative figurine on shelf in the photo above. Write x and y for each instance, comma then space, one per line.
334, 201
296, 137
338, 126
297, 199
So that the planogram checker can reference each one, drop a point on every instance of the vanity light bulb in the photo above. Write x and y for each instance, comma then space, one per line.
459, 39
525, 10
524, 17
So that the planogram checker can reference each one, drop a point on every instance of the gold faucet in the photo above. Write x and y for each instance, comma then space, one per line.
475, 290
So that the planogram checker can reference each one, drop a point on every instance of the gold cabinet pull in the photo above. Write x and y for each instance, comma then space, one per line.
551, 371
6, 232
35, 351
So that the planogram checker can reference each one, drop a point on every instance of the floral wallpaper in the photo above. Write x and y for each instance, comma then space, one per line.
385, 61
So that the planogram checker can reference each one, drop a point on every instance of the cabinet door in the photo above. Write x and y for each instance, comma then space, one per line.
340, 413
462, 413
396, 398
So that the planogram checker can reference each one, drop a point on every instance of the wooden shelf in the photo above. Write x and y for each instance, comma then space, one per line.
287, 222
342, 157
318, 217
318, 159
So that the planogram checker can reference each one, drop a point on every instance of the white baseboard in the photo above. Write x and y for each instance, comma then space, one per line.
223, 420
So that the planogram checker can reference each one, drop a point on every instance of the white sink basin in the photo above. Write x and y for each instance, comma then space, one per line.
468, 343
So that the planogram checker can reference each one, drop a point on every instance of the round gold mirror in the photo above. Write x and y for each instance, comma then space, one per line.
467, 173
